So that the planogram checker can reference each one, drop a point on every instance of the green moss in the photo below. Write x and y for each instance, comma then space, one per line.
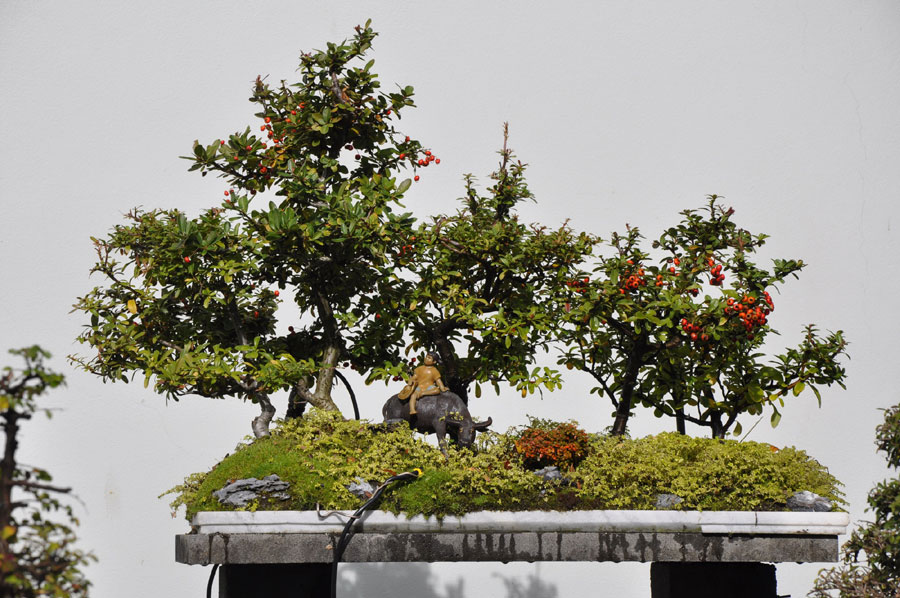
321, 454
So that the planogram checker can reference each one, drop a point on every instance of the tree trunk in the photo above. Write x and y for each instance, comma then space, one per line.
7, 469
623, 411
715, 420
449, 371
261, 422
296, 405
679, 421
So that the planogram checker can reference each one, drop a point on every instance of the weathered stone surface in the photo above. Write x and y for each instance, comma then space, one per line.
667, 501
361, 489
241, 492
204, 549
808, 501
551, 474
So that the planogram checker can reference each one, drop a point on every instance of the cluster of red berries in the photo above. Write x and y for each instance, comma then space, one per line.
675, 261
633, 281
424, 162
578, 285
412, 364
404, 249
715, 271
694, 331
270, 133
750, 313
428, 159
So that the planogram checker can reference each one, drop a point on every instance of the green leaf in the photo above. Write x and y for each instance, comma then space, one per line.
403, 186
776, 417
798, 388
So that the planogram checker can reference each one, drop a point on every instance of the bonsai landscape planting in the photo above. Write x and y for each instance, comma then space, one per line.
544, 466
309, 269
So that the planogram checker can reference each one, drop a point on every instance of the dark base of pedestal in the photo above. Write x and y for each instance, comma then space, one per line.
712, 580
667, 580
268, 581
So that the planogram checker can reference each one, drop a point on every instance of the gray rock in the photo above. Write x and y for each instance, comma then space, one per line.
361, 488
549, 473
667, 501
240, 493
808, 501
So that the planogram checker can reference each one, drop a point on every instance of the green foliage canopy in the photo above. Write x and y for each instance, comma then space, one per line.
649, 333
192, 302
37, 552
871, 558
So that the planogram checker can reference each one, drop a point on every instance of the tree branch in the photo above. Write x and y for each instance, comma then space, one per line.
39, 486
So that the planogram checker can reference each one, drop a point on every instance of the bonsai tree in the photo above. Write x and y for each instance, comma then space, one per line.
877, 574
37, 556
481, 286
194, 304
682, 333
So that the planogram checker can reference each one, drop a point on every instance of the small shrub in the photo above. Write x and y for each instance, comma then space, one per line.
545, 443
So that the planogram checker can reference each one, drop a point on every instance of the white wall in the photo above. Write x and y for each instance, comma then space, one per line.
626, 111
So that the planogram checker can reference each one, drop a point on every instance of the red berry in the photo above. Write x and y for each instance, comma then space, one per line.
416, 178
227, 193
221, 142
407, 138
249, 147
277, 293
187, 260
256, 314
268, 120
263, 169
437, 161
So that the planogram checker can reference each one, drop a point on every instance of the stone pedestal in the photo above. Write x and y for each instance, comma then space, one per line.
712, 580
693, 555
297, 580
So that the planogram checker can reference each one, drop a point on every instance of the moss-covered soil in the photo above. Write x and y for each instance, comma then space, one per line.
321, 455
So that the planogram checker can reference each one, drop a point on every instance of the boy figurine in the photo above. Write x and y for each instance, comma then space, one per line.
425, 381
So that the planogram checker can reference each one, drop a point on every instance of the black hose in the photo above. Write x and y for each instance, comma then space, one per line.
344, 539
352, 394
212, 576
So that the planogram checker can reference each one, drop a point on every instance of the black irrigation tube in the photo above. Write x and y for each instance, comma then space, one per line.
212, 576
344, 539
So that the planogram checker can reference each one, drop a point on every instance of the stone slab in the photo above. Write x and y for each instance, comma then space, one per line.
282, 548
710, 522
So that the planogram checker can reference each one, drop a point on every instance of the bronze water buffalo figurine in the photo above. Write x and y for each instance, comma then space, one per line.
442, 414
